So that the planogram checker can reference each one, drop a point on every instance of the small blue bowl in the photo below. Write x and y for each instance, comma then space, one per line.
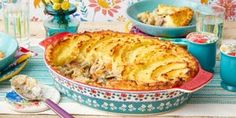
227, 71
9, 46
150, 5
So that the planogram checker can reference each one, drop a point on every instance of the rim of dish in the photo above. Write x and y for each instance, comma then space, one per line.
223, 52
214, 41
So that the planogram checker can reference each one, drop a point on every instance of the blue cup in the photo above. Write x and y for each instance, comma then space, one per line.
228, 71
205, 53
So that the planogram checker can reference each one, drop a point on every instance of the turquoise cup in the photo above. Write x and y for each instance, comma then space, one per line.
205, 54
203, 50
228, 71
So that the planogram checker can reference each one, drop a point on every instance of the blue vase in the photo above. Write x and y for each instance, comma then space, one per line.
61, 21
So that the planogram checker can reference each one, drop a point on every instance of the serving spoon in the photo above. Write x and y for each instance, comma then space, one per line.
53, 106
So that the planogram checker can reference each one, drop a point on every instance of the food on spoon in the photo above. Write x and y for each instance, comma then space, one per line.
1, 55
27, 87
167, 16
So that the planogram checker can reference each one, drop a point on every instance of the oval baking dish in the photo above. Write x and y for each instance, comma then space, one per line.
125, 101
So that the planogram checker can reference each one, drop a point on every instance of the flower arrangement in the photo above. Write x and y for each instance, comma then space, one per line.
61, 18
57, 5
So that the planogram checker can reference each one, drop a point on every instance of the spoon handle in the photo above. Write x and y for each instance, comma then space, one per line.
57, 109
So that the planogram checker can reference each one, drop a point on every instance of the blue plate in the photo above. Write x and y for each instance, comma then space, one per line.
150, 5
9, 46
10, 72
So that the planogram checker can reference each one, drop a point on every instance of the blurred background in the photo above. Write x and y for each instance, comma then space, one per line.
113, 10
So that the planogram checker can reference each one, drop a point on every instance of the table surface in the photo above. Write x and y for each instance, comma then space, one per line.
37, 32
37, 29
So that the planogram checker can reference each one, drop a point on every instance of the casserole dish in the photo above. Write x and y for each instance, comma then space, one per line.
125, 101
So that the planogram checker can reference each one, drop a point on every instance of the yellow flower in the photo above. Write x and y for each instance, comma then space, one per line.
47, 1
103, 3
204, 1
36, 3
65, 5
55, 1
56, 6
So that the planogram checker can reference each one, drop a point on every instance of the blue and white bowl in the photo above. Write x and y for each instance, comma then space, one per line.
150, 5
9, 46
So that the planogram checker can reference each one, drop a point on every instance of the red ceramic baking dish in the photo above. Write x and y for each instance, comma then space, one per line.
125, 101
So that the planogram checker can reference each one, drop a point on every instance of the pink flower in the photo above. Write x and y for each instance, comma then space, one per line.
106, 6
123, 95
18, 106
230, 8
35, 103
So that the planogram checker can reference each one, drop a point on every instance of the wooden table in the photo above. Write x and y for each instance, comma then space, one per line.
38, 32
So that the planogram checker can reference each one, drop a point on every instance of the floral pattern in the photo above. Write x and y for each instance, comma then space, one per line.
114, 10
125, 107
230, 8
118, 96
121, 102
18, 102
106, 6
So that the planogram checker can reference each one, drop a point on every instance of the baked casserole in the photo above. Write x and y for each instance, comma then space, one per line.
121, 61
167, 16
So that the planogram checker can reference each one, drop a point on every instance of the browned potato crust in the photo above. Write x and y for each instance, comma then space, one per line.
121, 61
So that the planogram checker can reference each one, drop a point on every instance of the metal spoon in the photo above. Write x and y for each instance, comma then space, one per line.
53, 106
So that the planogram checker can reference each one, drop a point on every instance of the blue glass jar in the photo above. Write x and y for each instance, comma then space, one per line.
62, 21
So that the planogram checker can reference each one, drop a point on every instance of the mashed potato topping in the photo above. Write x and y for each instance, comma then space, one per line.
121, 61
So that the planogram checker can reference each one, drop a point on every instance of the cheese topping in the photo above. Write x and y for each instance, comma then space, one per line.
135, 62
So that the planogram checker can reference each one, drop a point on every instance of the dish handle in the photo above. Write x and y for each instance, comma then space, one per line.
52, 39
178, 41
201, 79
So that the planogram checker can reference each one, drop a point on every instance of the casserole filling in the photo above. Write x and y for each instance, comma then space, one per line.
121, 61
27, 86
167, 16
